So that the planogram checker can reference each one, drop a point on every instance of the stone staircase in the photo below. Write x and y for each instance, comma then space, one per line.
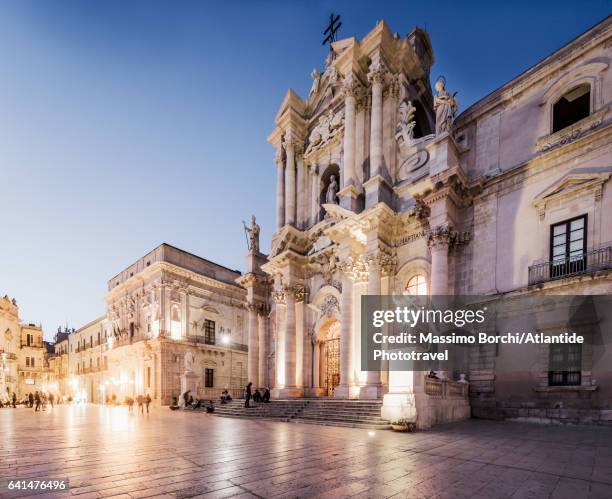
351, 413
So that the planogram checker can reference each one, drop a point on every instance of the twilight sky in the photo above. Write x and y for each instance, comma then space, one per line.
128, 124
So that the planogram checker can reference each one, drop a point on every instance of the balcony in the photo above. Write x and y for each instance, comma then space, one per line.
589, 262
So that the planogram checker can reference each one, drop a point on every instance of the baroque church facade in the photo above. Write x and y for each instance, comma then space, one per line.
382, 189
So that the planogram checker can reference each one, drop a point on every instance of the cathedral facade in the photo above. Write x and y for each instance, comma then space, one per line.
382, 188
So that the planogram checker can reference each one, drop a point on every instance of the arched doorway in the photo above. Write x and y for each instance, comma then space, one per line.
328, 339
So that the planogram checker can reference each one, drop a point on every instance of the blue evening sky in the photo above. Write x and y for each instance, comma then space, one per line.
124, 124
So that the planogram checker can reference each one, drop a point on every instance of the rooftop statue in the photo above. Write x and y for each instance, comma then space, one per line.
445, 106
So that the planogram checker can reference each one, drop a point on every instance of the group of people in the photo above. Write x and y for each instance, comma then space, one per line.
142, 401
257, 396
8, 401
37, 400
191, 403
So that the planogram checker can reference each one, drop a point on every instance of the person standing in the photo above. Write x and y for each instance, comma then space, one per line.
51, 399
37, 401
147, 401
31, 399
247, 395
14, 400
140, 401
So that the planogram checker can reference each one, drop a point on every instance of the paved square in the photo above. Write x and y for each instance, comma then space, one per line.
105, 451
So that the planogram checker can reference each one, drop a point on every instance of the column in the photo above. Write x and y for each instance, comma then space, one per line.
280, 193
349, 193
279, 347
346, 338
440, 239
349, 134
263, 350
253, 344
376, 76
290, 206
289, 339
315, 366
301, 193
315, 185
373, 387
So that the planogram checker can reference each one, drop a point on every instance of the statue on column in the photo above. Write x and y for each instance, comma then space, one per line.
252, 234
332, 191
445, 106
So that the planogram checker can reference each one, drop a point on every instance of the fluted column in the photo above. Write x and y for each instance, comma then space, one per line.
290, 199
280, 192
263, 348
253, 345
377, 78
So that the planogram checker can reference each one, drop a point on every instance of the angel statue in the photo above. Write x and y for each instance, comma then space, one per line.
445, 106
405, 124
252, 234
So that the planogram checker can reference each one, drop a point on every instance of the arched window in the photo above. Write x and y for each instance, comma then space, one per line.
417, 285
572, 107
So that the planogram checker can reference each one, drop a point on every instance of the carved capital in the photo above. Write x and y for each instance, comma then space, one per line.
441, 237
299, 292
355, 268
279, 297
378, 74
382, 261
351, 87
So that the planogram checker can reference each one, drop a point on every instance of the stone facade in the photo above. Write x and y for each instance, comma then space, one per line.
426, 203
23, 357
168, 314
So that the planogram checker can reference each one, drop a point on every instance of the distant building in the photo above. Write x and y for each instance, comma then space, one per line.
23, 367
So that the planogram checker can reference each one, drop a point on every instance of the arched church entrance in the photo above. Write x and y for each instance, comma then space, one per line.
329, 362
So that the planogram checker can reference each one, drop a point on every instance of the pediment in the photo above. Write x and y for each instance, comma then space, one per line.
573, 183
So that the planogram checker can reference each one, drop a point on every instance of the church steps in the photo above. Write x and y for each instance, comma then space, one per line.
331, 412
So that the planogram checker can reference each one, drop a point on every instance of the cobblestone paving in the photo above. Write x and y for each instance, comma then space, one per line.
108, 452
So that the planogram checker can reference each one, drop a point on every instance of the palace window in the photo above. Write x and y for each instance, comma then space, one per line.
568, 243
209, 332
417, 285
572, 107
209, 378
565, 364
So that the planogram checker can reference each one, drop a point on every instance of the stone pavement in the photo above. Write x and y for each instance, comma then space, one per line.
108, 452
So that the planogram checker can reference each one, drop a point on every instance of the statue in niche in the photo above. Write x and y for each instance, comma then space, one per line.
332, 191
316, 80
252, 234
189, 361
445, 106
404, 131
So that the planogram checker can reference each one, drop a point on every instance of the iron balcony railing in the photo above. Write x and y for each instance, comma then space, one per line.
591, 261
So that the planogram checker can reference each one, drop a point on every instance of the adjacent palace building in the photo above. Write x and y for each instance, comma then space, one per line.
174, 321
382, 187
